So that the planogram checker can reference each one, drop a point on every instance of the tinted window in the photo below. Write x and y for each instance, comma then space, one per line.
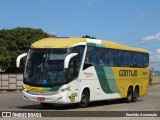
113, 57
117, 58
125, 58
75, 62
101, 56
133, 59
91, 56
145, 59
106, 57
140, 59
79, 50
121, 58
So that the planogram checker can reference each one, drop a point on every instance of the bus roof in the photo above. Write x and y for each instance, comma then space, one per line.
55, 42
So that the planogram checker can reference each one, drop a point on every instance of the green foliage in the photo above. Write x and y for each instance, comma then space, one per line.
16, 41
87, 36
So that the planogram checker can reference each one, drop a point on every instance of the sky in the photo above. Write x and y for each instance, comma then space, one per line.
131, 22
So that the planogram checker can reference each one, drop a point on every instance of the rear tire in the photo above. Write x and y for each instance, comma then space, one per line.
135, 94
84, 99
129, 95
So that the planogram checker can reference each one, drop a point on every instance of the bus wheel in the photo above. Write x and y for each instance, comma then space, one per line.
84, 99
135, 94
129, 95
46, 105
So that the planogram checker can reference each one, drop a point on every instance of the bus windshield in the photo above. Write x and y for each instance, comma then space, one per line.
45, 66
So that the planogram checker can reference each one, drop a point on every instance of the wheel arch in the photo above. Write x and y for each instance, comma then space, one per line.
137, 86
82, 90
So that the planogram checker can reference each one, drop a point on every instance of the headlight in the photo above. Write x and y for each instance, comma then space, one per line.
24, 89
65, 89
62, 90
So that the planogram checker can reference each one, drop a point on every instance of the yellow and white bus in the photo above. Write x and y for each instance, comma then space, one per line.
81, 70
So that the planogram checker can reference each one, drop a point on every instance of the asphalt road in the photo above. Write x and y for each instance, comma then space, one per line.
13, 101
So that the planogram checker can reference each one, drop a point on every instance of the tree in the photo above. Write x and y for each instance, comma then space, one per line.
16, 41
87, 36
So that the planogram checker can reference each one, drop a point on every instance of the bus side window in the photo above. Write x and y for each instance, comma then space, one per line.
100, 56
116, 58
94, 57
71, 73
139, 60
131, 59
145, 59
106, 57
129, 62
73, 68
121, 56
113, 57
79, 50
111, 63
135, 62
91, 57
88, 55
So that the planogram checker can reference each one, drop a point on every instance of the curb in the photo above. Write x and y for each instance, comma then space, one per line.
155, 84
158, 85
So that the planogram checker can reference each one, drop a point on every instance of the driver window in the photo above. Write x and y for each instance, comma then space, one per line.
73, 68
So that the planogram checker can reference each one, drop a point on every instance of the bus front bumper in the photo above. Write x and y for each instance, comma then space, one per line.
59, 98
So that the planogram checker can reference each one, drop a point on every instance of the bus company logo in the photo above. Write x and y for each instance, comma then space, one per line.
88, 74
127, 73
73, 97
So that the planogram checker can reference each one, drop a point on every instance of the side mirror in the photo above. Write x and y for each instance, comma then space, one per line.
19, 59
67, 59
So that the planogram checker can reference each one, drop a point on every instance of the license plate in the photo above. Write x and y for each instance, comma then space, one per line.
40, 98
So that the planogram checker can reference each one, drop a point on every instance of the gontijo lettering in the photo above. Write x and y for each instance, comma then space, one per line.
125, 73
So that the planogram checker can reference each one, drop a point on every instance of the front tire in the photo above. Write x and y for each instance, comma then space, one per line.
84, 99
